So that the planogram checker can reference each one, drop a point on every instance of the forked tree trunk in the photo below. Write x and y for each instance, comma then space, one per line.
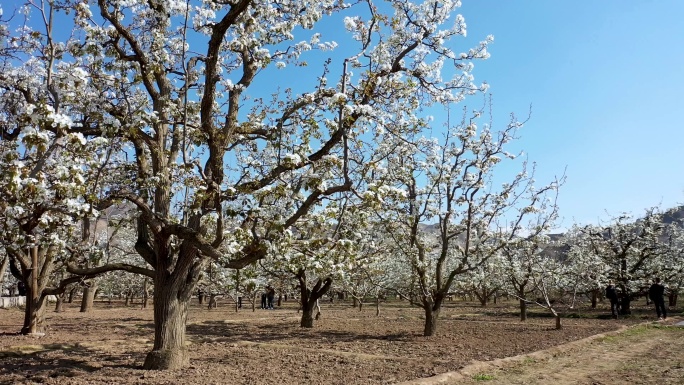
59, 306
523, 310
310, 297
170, 314
88, 296
558, 322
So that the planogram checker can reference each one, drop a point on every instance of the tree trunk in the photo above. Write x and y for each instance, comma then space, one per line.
523, 310
307, 316
213, 303
3, 268
34, 315
71, 295
128, 299
146, 296
431, 316
59, 306
88, 296
310, 297
377, 306
360, 305
625, 305
558, 322
594, 298
672, 298
170, 315
354, 301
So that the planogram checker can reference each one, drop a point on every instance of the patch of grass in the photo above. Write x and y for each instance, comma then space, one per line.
483, 377
607, 339
529, 360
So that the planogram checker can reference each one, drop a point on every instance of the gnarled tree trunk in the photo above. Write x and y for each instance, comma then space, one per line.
34, 315
170, 315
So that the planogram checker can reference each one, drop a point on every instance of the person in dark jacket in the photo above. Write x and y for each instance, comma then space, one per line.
263, 299
271, 295
656, 293
611, 294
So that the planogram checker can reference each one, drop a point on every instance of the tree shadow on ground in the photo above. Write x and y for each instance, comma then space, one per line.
34, 366
281, 332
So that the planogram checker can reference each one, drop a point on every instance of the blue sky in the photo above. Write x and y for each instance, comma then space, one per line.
606, 83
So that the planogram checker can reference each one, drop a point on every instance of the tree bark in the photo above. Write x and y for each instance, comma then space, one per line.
523, 310
594, 298
71, 295
559, 326
310, 297
59, 306
170, 315
377, 306
88, 296
431, 317
146, 295
307, 320
34, 315
3, 269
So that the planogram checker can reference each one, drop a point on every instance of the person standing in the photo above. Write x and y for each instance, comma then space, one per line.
656, 293
611, 294
271, 295
263, 298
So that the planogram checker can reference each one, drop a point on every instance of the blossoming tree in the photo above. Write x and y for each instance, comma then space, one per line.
178, 83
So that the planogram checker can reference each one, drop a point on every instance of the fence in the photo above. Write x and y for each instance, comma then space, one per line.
6, 302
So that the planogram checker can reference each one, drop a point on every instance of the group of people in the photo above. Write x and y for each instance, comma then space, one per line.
267, 298
656, 293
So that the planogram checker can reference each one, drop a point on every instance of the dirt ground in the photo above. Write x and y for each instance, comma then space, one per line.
644, 354
108, 346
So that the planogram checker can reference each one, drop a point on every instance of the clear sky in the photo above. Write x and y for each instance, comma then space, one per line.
606, 83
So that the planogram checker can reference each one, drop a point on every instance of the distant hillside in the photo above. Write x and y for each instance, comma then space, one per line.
674, 215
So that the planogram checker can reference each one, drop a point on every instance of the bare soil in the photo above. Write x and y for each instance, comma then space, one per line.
346, 346
644, 354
